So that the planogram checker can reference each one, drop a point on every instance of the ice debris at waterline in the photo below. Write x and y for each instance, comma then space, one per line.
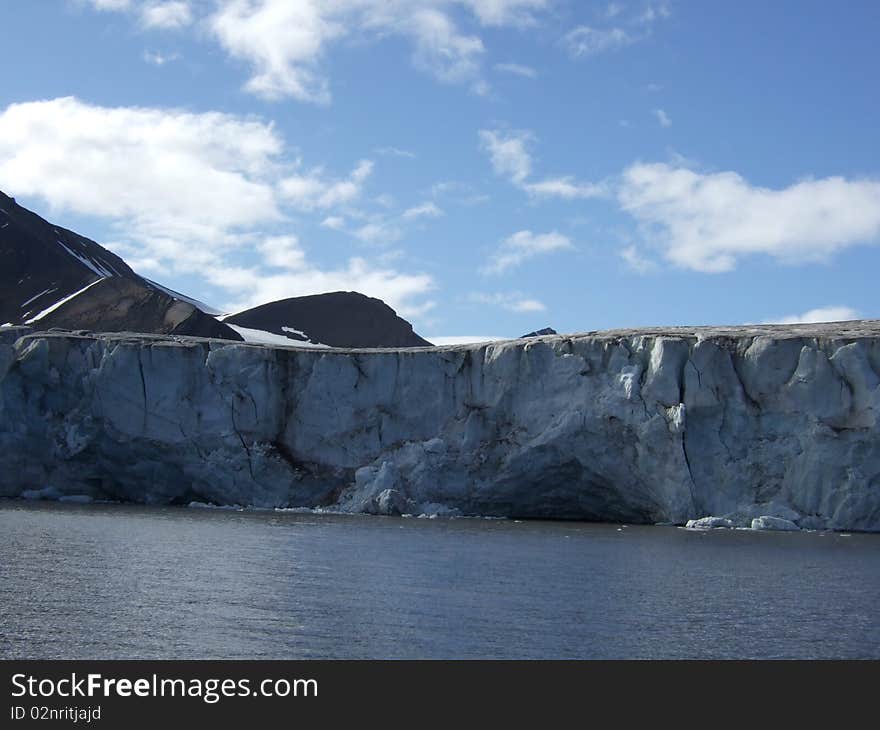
751, 425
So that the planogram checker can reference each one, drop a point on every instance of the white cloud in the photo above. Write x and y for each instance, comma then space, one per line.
378, 232
184, 191
566, 188
820, 314
662, 118
708, 221
636, 260
168, 175
285, 42
425, 210
250, 287
111, 4
283, 252
510, 157
631, 27
442, 50
517, 69
587, 41
166, 15
159, 59
522, 246
382, 228
508, 153
312, 190
152, 14
334, 222
506, 12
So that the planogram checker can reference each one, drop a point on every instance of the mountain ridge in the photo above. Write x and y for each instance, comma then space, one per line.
53, 277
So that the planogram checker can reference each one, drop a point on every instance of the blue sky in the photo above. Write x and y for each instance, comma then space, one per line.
488, 167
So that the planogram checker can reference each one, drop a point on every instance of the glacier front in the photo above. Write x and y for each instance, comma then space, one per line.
644, 426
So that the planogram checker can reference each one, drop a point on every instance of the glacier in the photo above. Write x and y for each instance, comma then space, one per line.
751, 426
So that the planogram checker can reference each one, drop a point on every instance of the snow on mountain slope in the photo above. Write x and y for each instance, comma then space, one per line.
206, 308
61, 302
268, 338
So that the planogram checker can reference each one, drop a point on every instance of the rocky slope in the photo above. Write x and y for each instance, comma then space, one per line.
644, 426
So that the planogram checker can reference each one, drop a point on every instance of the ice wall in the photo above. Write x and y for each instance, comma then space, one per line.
646, 426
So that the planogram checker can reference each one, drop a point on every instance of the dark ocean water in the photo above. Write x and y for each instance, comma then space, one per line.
116, 581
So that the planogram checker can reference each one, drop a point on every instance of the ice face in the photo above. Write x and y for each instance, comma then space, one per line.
637, 426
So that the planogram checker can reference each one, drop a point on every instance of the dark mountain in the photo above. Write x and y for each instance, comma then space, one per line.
541, 333
53, 277
337, 319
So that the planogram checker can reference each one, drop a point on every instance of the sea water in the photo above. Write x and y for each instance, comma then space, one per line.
115, 581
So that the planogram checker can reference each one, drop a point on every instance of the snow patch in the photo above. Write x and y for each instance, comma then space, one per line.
295, 331
48, 291
262, 337
96, 267
66, 299
207, 309
308, 341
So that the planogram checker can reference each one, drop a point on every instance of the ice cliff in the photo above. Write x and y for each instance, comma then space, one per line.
661, 425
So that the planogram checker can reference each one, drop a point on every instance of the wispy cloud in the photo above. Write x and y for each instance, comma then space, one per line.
168, 15
566, 188
587, 41
662, 118
632, 24
155, 58
509, 155
394, 152
511, 301
636, 260
313, 190
425, 210
152, 14
517, 70
522, 246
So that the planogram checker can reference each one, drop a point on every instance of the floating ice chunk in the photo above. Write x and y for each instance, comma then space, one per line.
205, 505
765, 522
708, 523
44, 493
76, 498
